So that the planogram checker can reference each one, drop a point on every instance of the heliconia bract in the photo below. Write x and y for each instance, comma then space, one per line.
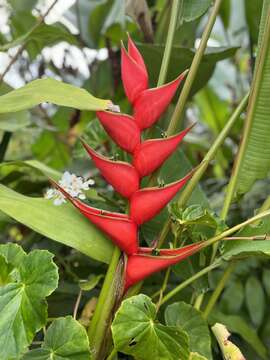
125, 131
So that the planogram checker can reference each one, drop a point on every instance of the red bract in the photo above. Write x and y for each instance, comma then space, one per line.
147, 203
125, 130
122, 129
151, 103
151, 154
139, 266
118, 227
121, 175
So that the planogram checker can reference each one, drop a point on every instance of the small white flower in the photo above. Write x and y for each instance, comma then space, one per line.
114, 108
73, 185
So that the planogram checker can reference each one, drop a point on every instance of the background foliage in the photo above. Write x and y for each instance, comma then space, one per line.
79, 43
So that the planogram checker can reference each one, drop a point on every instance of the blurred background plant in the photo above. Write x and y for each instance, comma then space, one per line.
78, 42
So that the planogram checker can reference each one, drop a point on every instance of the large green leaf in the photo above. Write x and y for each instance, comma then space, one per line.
190, 320
50, 90
181, 59
23, 309
65, 339
236, 324
255, 151
60, 223
253, 10
136, 332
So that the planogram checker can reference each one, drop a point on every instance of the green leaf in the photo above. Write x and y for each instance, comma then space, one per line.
232, 298
196, 356
63, 223
136, 332
25, 5
23, 309
255, 152
266, 281
32, 164
50, 90
91, 283
253, 15
65, 339
255, 300
192, 9
236, 324
242, 248
13, 121
190, 320
181, 59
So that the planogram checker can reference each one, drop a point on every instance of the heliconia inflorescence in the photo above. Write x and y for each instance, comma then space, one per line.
148, 156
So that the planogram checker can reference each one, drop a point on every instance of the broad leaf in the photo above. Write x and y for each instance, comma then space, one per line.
181, 59
136, 332
190, 320
60, 223
32, 164
53, 91
65, 339
255, 152
23, 309
13, 121
236, 324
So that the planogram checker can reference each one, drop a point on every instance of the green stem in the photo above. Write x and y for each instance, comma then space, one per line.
4, 145
218, 290
106, 302
185, 195
190, 280
112, 354
178, 112
177, 4
217, 263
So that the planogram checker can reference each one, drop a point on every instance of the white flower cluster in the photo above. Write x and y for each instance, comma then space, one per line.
72, 184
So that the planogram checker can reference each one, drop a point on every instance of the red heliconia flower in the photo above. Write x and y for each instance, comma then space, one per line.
134, 73
148, 105
122, 129
151, 154
141, 265
121, 175
148, 202
119, 227
151, 103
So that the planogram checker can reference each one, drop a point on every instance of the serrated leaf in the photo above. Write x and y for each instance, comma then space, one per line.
63, 223
190, 320
53, 91
136, 332
23, 309
65, 339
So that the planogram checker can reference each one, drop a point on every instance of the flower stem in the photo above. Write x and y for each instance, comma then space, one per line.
176, 5
178, 112
97, 331
185, 195
190, 280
